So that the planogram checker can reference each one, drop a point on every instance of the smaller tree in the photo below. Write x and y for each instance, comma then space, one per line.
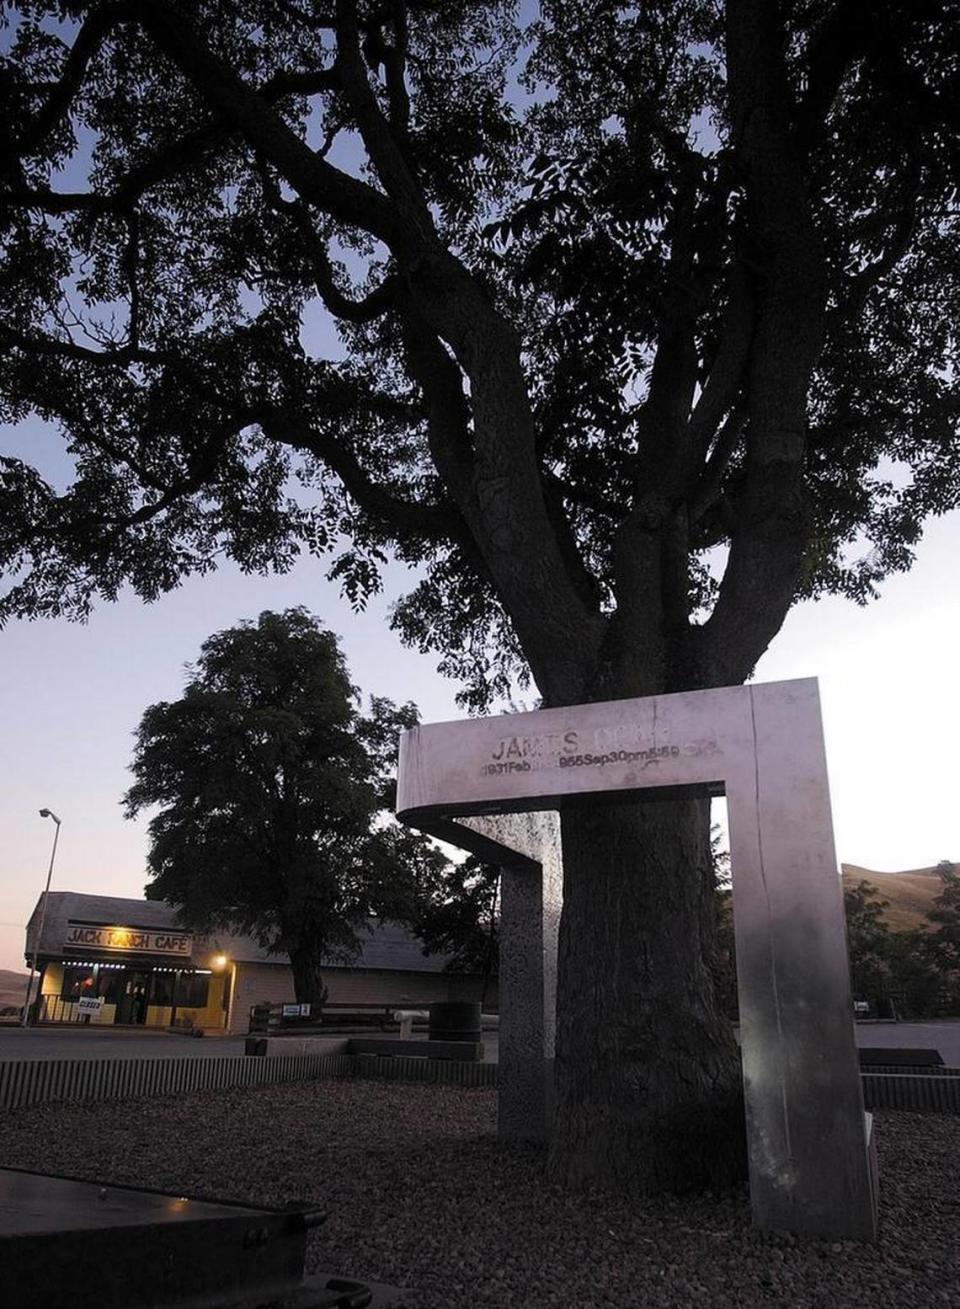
916, 974
946, 911
462, 920
271, 787
868, 943
945, 941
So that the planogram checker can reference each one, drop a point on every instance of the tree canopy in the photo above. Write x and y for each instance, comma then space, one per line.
270, 785
697, 259
645, 328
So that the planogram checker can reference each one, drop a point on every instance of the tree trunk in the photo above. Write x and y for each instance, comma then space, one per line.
649, 1094
308, 984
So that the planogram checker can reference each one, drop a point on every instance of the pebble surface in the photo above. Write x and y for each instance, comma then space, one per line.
420, 1194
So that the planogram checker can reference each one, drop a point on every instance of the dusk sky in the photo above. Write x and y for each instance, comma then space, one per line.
71, 697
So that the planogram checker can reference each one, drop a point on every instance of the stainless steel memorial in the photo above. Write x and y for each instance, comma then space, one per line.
494, 786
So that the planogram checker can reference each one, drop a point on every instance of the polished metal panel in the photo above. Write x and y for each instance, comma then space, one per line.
527, 846
763, 746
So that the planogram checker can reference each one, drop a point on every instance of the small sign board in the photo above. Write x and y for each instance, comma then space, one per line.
89, 1004
296, 1011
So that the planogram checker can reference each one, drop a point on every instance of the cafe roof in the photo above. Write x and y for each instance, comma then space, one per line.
384, 946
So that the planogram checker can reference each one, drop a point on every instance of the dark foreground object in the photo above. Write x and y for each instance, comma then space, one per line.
454, 1020
113, 1247
898, 1057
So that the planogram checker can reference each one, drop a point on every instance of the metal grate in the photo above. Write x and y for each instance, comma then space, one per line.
42, 1081
929, 1093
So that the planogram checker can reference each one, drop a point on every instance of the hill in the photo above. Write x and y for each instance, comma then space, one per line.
911, 894
13, 987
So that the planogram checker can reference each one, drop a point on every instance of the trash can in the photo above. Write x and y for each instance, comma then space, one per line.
455, 1020
260, 1018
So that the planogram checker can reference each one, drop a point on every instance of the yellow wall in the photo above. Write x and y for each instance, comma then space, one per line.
211, 1015
52, 979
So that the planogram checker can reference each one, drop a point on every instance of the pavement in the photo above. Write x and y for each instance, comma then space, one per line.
943, 1035
85, 1043
18, 1043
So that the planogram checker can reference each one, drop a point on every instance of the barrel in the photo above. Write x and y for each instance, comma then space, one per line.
455, 1020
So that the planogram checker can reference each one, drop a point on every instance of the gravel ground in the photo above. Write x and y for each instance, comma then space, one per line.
421, 1194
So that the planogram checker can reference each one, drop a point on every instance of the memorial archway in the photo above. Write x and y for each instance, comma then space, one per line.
493, 786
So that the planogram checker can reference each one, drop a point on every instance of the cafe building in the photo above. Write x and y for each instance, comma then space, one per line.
109, 961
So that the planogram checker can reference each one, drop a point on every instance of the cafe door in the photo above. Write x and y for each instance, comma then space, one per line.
132, 1002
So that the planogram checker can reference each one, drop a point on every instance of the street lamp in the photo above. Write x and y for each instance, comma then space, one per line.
44, 813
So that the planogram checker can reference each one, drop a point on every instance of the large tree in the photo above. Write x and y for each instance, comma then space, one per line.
646, 324
269, 787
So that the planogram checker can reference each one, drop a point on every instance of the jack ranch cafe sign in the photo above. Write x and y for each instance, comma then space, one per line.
128, 939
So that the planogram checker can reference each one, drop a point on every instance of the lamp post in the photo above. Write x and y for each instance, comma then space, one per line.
44, 813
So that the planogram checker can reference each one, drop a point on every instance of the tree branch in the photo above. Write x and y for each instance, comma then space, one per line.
131, 267
862, 283
372, 306
39, 344
727, 372
385, 150
343, 197
393, 58
61, 202
833, 48
663, 419
448, 416
436, 522
784, 248
707, 490
587, 586
89, 39
586, 499
204, 465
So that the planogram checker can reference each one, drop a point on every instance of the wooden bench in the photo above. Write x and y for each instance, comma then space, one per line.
877, 1056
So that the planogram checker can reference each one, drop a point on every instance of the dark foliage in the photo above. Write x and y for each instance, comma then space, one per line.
463, 920
617, 243
869, 945
907, 974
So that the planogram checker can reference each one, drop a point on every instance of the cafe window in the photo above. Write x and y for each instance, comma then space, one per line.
163, 988
192, 991
185, 990
78, 980
108, 984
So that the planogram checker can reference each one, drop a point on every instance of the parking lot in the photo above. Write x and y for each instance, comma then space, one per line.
76, 1043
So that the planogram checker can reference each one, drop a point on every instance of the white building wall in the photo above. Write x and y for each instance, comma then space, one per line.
257, 983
